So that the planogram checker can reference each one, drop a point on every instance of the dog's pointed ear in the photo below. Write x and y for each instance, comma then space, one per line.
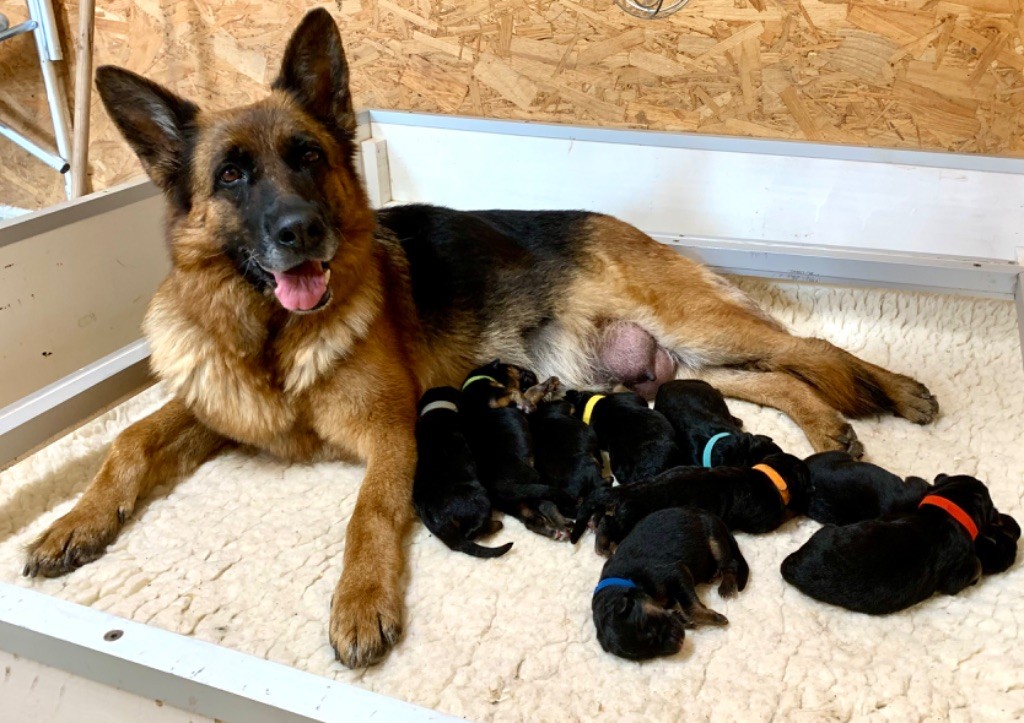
314, 71
157, 124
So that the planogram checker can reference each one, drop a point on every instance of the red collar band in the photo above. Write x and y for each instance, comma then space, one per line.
955, 511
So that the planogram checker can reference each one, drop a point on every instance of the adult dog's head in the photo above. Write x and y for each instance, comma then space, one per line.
266, 191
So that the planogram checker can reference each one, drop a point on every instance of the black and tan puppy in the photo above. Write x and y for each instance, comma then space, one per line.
844, 490
754, 499
566, 453
492, 402
647, 595
882, 566
706, 432
640, 442
446, 491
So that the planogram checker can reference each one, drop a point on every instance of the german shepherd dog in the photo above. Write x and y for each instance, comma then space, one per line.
297, 321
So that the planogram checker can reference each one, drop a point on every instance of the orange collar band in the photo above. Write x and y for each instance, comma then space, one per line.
776, 478
955, 511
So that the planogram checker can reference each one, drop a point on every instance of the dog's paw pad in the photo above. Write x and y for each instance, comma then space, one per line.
914, 402
364, 627
843, 439
72, 541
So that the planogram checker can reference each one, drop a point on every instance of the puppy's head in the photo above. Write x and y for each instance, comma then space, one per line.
577, 399
743, 450
632, 626
438, 394
266, 192
969, 494
513, 378
996, 545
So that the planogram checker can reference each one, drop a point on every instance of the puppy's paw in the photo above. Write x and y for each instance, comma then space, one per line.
77, 538
701, 615
913, 401
366, 622
729, 586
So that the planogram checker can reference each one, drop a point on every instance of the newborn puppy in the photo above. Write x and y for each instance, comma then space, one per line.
566, 453
640, 442
446, 492
755, 499
707, 434
492, 402
646, 595
881, 566
844, 490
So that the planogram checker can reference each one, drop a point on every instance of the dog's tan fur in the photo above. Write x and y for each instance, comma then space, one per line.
342, 383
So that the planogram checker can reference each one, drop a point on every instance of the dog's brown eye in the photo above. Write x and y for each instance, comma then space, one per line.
310, 157
229, 174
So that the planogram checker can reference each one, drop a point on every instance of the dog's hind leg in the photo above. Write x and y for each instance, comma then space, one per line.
825, 428
706, 322
161, 448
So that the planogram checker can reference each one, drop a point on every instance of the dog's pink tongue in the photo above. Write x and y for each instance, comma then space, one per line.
300, 288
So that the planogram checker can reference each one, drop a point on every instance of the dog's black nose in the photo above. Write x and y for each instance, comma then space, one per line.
298, 229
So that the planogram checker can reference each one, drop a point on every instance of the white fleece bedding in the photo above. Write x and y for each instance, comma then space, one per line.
246, 553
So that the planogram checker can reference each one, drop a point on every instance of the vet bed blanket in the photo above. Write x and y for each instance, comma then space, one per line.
246, 553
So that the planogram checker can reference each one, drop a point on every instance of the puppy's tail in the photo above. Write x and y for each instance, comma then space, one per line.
476, 550
594, 505
742, 569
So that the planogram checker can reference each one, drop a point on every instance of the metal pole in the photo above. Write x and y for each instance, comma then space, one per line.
49, 52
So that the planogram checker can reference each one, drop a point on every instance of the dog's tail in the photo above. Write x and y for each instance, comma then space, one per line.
477, 550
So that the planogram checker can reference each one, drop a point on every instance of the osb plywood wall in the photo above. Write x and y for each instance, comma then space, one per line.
931, 74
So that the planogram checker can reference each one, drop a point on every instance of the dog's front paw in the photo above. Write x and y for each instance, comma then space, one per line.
914, 402
366, 622
77, 538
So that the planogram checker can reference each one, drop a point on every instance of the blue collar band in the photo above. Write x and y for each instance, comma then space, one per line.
614, 582
710, 446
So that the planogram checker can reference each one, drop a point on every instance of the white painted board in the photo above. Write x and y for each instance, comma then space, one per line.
75, 281
806, 197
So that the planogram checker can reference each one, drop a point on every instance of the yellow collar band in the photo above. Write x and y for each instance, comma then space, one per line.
589, 408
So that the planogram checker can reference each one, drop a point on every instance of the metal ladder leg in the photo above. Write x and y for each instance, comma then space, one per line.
48, 45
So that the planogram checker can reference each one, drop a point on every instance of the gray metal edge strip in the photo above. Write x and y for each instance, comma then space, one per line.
187, 673
48, 219
704, 142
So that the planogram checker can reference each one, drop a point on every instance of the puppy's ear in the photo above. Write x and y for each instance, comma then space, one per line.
314, 72
1009, 525
158, 125
996, 545
624, 605
940, 478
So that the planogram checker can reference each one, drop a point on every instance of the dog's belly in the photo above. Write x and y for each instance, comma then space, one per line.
501, 284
